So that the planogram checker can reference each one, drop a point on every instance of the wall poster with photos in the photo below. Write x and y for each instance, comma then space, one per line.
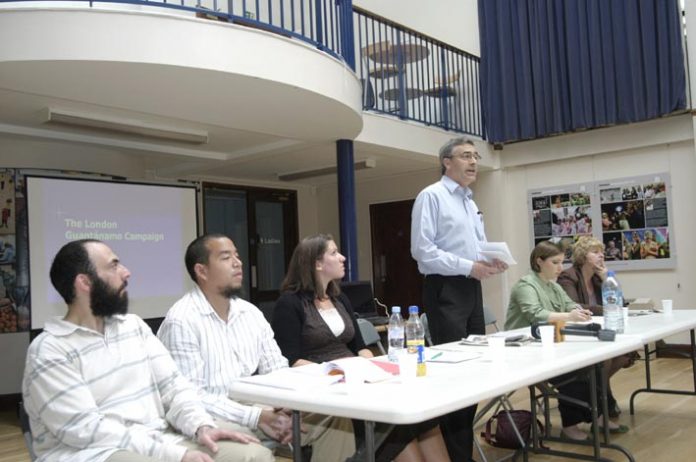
630, 215
14, 275
562, 215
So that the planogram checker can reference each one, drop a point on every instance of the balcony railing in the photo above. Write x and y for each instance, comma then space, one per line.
314, 21
404, 73
415, 77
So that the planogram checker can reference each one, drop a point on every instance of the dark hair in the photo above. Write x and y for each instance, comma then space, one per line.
198, 252
72, 259
302, 274
543, 250
447, 148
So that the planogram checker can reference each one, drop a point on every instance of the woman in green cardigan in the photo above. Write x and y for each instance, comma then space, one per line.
538, 298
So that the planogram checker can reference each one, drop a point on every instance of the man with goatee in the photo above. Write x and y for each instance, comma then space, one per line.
216, 337
99, 386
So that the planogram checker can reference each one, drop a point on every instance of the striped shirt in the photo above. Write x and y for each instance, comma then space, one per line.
90, 394
213, 353
446, 229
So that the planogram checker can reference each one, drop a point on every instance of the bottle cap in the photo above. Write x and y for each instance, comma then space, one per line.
611, 273
396, 309
413, 309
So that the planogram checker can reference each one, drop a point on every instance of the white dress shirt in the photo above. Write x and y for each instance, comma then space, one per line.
213, 353
89, 395
446, 229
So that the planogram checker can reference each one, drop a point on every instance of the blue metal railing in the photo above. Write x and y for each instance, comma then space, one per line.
404, 73
415, 77
313, 21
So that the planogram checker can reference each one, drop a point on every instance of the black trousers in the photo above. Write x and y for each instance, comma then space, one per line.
577, 385
454, 305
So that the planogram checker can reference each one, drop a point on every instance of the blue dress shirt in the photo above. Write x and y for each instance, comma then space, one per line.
446, 229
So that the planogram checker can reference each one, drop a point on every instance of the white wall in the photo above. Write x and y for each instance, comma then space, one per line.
451, 21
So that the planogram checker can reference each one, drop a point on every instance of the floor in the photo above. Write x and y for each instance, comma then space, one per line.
661, 430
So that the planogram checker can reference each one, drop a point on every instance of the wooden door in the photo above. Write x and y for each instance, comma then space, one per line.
395, 275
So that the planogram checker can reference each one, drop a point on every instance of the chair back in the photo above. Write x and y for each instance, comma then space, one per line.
26, 430
370, 335
426, 329
489, 318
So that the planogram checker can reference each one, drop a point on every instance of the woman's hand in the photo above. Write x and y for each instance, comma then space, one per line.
366, 353
579, 314
601, 270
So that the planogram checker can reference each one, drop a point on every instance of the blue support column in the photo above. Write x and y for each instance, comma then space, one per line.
347, 34
346, 207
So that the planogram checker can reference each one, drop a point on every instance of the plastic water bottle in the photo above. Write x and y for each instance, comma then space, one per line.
395, 332
415, 339
612, 302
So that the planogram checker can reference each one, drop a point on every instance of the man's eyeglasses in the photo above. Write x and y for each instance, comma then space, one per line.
467, 156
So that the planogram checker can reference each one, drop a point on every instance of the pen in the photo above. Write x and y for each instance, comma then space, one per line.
436, 356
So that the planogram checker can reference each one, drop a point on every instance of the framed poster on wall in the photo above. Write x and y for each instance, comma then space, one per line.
635, 222
561, 214
630, 215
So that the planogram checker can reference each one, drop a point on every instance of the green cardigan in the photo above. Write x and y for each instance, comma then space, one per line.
532, 300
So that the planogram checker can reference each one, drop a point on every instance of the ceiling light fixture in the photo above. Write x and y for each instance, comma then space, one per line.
359, 165
128, 126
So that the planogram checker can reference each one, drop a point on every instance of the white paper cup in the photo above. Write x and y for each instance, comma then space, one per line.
407, 365
547, 333
667, 307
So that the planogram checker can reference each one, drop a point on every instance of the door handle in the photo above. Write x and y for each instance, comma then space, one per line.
253, 276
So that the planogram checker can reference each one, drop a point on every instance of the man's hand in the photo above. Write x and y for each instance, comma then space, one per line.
276, 424
501, 265
207, 436
483, 270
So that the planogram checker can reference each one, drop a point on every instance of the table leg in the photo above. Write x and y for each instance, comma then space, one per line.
369, 441
596, 443
648, 383
296, 436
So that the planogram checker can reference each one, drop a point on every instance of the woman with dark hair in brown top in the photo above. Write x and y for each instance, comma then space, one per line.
313, 322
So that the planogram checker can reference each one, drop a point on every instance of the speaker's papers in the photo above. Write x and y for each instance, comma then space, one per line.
497, 250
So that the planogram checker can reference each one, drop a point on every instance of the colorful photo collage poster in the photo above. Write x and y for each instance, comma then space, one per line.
635, 221
561, 217
14, 288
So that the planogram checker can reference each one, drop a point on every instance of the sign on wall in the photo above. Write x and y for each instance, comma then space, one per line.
630, 215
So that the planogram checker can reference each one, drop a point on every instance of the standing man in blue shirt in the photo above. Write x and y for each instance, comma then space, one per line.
446, 230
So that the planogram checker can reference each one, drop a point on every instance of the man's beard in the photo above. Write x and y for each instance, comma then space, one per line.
231, 292
106, 301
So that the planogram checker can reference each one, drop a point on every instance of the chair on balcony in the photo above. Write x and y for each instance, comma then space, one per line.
444, 90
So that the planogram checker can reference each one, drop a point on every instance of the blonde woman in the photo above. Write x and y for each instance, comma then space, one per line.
583, 284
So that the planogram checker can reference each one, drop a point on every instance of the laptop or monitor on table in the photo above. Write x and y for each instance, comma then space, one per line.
362, 299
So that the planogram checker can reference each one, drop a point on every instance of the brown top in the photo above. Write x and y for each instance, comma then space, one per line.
574, 285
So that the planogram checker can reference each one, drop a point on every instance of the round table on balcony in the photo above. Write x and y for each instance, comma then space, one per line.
397, 55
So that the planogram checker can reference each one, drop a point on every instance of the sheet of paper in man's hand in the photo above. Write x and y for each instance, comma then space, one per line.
499, 250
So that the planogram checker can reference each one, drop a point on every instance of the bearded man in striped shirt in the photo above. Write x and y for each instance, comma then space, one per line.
99, 386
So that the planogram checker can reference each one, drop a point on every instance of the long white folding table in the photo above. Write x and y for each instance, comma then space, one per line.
656, 326
447, 387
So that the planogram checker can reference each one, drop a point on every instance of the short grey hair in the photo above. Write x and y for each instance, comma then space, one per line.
448, 147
